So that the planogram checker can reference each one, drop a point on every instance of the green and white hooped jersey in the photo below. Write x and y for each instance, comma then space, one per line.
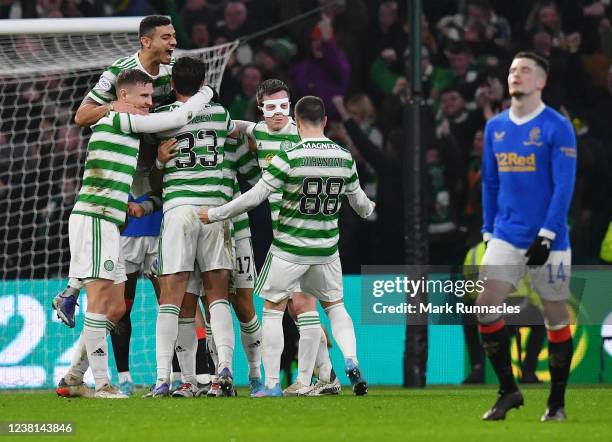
195, 175
313, 177
238, 159
104, 91
112, 155
268, 144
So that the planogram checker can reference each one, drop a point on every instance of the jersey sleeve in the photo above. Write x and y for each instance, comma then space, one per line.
231, 126
352, 182
275, 176
490, 183
563, 166
246, 164
104, 91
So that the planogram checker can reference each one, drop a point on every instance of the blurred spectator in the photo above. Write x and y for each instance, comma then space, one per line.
465, 76
599, 114
326, 73
443, 165
386, 33
197, 11
388, 165
480, 25
235, 23
273, 58
250, 77
457, 121
200, 35
565, 69
473, 208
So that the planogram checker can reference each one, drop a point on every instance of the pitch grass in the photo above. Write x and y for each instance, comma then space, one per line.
386, 414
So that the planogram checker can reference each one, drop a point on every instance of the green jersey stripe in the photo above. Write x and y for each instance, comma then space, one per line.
307, 233
106, 184
103, 201
305, 251
112, 147
110, 165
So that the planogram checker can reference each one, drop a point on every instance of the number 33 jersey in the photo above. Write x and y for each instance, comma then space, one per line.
313, 177
195, 175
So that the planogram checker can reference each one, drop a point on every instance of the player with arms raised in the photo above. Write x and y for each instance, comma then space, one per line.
313, 176
528, 174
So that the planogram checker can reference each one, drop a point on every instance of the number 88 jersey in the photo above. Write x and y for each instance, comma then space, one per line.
195, 175
313, 177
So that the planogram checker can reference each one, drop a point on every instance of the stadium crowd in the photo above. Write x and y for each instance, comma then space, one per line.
354, 56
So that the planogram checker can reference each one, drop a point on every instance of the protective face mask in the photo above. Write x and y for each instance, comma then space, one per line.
268, 111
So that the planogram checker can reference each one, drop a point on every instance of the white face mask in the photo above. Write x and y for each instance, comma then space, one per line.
272, 107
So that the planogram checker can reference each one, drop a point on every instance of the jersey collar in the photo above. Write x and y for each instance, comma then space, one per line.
527, 118
141, 68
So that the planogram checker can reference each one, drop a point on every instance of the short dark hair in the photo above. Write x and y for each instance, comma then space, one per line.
150, 22
269, 87
538, 59
310, 109
130, 77
188, 73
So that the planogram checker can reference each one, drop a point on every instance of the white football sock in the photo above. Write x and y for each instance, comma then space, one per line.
323, 363
309, 325
222, 326
273, 343
250, 335
76, 284
212, 347
94, 336
166, 330
343, 331
125, 376
79, 363
186, 347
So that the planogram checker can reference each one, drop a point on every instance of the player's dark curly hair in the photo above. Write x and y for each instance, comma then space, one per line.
188, 73
269, 87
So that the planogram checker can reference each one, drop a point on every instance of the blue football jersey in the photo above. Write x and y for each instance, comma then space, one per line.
148, 225
528, 176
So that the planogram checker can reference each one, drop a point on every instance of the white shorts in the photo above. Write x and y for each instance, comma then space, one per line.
194, 284
279, 278
504, 262
95, 249
244, 271
185, 241
139, 253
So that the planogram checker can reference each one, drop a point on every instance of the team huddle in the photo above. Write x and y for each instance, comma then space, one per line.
174, 174
187, 228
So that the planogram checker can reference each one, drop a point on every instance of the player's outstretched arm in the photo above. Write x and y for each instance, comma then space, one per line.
162, 121
360, 203
357, 198
245, 202
90, 112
